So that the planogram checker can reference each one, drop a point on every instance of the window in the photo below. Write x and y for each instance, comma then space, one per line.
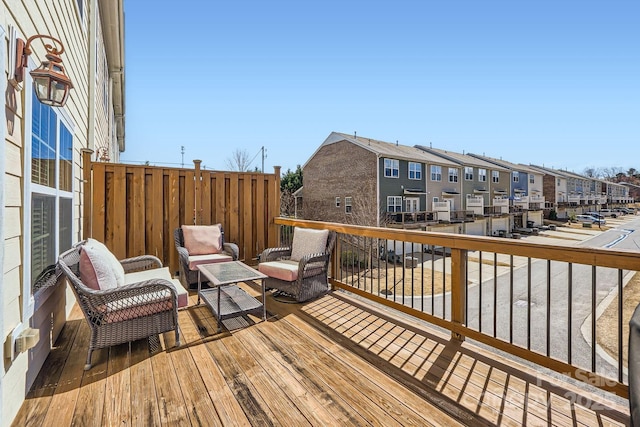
391, 168
415, 170
495, 176
482, 175
436, 173
436, 200
394, 203
337, 202
558, 181
468, 173
532, 180
453, 175
347, 204
50, 193
516, 176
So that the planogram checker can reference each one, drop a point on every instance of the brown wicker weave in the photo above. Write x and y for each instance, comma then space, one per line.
312, 278
189, 278
126, 313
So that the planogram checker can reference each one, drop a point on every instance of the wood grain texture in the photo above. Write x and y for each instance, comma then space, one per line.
333, 361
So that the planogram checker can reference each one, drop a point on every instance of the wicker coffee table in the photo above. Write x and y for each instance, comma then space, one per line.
225, 298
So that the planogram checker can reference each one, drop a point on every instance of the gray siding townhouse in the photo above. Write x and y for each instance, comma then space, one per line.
525, 183
354, 179
484, 184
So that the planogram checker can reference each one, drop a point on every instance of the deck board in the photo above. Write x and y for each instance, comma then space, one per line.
333, 361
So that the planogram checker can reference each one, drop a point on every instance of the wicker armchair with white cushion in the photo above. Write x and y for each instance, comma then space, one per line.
125, 300
201, 244
300, 271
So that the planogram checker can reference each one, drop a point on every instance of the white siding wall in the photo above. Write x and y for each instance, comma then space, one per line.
60, 19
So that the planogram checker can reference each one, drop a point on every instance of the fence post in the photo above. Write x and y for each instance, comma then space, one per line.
197, 205
87, 196
276, 194
458, 289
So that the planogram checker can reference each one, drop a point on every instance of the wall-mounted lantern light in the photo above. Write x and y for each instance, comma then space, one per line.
50, 82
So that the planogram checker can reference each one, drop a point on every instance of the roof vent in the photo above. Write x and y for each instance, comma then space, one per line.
355, 135
396, 142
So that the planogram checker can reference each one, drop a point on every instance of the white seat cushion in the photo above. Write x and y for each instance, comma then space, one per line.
159, 273
196, 260
286, 270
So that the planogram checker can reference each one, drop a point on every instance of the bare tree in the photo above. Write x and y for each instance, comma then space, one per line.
239, 160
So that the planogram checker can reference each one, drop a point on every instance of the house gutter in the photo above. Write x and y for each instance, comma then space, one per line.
112, 18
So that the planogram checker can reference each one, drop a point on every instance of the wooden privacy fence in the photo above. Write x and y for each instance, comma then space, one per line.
135, 209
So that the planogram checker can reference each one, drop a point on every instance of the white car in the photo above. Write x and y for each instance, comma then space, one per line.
590, 219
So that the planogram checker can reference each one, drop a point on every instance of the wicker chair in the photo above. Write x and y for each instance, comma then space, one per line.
129, 312
188, 269
301, 279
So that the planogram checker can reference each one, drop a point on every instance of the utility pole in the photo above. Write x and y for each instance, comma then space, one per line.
182, 151
264, 155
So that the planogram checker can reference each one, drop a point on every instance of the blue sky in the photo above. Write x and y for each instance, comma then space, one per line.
555, 83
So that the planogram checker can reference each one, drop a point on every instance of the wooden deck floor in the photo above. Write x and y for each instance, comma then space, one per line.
333, 361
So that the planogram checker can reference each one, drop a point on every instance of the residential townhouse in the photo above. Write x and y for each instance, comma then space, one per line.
485, 185
41, 166
526, 183
361, 180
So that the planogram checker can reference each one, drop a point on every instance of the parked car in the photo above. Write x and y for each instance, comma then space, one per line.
590, 219
620, 211
595, 215
608, 212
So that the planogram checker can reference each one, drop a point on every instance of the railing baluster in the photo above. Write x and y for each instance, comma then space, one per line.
495, 293
433, 280
444, 279
569, 310
548, 308
511, 299
480, 291
593, 318
620, 317
529, 303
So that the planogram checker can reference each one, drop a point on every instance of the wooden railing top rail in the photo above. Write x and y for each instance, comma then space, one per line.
614, 258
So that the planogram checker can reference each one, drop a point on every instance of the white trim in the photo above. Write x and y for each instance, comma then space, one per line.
28, 300
3, 89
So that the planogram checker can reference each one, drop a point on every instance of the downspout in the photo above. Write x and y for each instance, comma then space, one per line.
3, 84
91, 92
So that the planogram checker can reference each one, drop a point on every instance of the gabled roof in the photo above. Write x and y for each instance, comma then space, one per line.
506, 164
462, 159
382, 148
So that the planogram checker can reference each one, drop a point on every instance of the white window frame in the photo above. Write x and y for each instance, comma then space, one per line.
348, 205
412, 204
453, 174
436, 173
28, 301
468, 173
482, 175
515, 176
393, 167
495, 177
337, 202
415, 171
532, 178
394, 202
